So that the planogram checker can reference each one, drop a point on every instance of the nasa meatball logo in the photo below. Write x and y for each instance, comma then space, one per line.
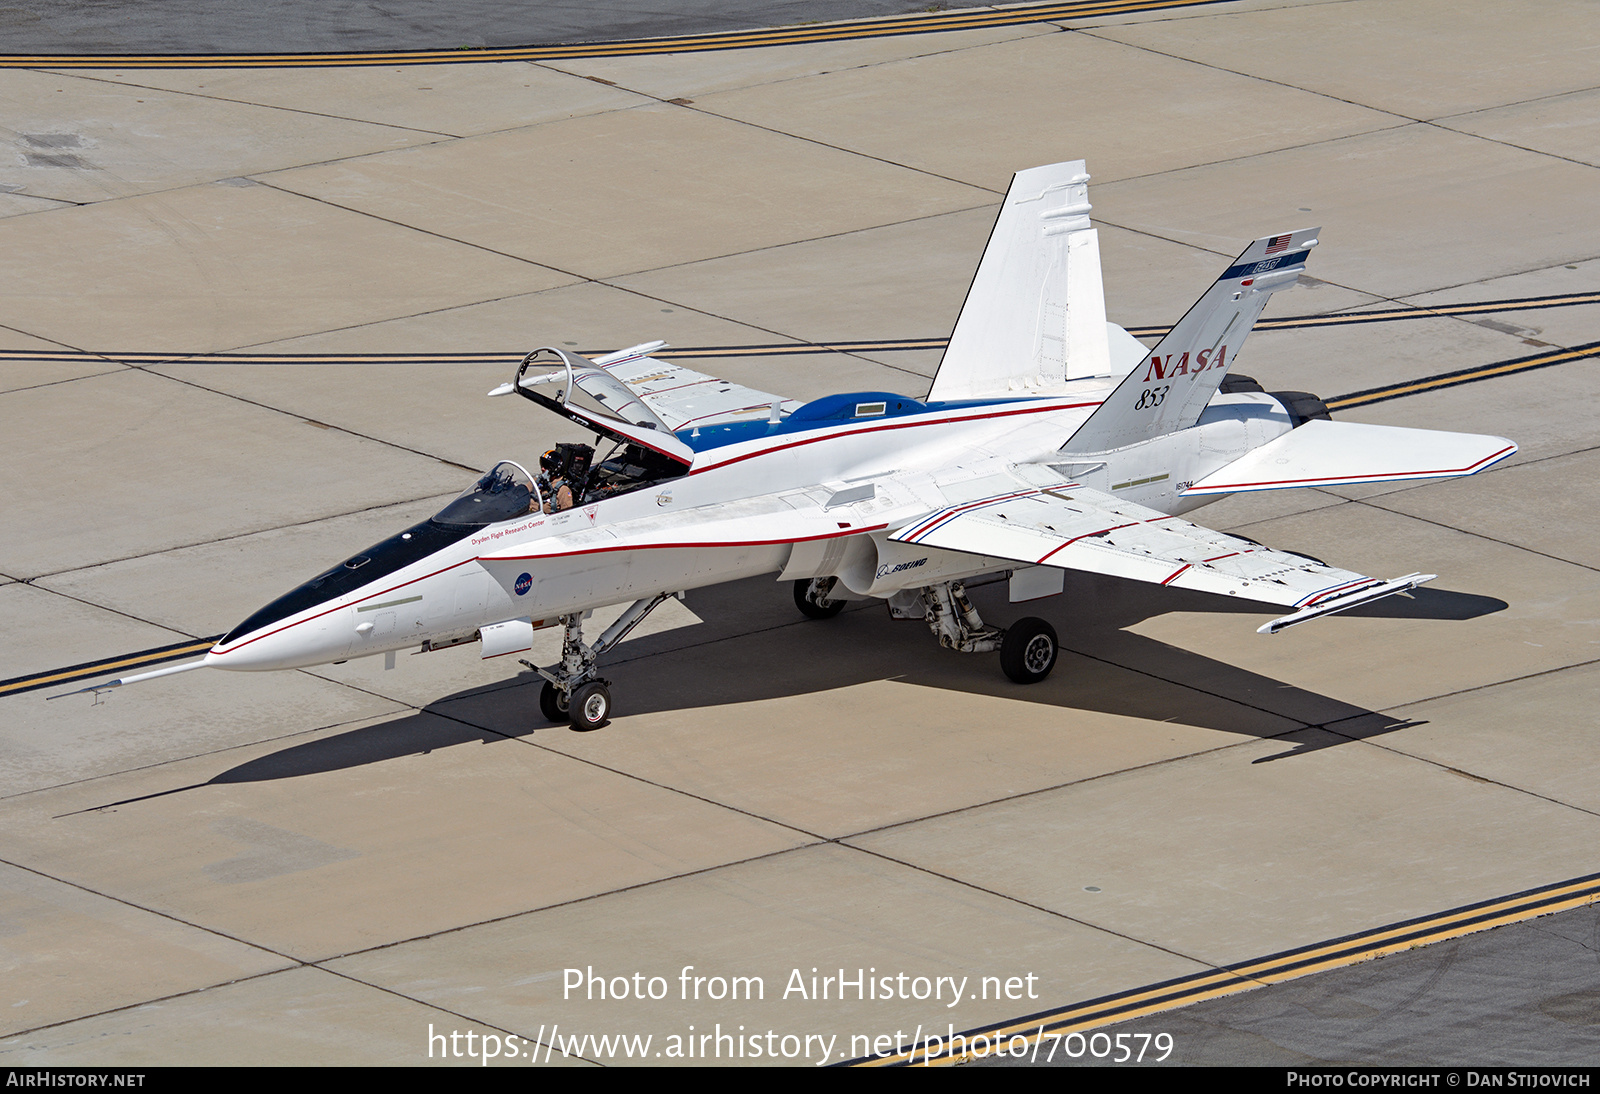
524, 583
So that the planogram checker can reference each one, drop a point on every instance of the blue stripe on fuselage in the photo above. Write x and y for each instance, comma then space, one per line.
707, 437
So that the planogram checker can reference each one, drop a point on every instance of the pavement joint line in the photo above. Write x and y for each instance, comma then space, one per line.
321, 967
443, 495
816, 841
297, 965
288, 192
1490, 279
1540, 302
302, 418
1376, 500
1278, 967
1226, 746
155, 999
1405, 118
586, 898
1469, 691
1071, 783
632, 776
608, 280
855, 152
153, 765
155, 912
882, 26
65, 379
425, 312
1546, 153
156, 88
1515, 102
1052, 912
1462, 772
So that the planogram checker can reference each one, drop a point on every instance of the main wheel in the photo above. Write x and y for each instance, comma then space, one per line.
591, 706
820, 608
1028, 651
553, 703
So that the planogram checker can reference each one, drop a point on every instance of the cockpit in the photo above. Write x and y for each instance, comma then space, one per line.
504, 492
629, 467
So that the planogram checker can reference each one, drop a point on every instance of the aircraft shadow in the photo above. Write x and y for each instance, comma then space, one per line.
752, 645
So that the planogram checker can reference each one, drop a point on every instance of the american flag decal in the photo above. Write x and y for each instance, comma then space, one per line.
1277, 244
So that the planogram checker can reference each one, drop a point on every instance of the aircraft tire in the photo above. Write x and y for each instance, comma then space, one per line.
1028, 651
553, 704
814, 609
591, 706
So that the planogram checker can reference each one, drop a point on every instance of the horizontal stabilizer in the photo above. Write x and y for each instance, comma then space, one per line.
1321, 453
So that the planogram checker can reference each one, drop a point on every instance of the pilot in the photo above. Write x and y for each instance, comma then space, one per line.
554, 486
565, 472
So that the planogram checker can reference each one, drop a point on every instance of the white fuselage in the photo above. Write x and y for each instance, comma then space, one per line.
758, 506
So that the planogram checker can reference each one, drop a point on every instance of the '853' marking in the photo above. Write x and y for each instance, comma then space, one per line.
1152, 397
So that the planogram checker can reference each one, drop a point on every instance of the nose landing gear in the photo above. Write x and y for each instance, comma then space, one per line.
572, 691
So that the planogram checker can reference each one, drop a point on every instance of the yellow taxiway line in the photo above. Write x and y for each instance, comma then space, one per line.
922, 23
1046, 1031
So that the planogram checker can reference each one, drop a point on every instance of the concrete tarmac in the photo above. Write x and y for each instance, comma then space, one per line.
342, 864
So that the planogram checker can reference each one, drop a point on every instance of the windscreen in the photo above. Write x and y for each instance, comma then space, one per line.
501, 494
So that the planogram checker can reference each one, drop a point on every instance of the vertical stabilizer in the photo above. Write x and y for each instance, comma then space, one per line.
1035, 315
1172, 385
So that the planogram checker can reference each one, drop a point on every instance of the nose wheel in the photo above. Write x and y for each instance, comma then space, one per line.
587, 707
553, 703
591, 706
572, 692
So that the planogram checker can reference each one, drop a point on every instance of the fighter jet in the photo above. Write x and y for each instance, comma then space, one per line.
1051, 440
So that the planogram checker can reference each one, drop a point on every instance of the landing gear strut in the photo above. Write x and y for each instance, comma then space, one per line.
1028, 648
954, 621
572, 691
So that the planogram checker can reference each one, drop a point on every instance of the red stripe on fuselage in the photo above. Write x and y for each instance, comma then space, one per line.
353, 603
682, 546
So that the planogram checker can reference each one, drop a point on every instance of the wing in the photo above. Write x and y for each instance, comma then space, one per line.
647, 391
1065, 524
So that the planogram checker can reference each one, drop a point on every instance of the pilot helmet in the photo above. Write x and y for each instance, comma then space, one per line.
551, 461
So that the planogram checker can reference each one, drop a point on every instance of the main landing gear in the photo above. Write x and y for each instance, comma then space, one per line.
811, 597
572, 691
1028, 648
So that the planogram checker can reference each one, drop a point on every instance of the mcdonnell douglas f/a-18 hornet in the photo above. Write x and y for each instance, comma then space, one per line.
1051, 440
